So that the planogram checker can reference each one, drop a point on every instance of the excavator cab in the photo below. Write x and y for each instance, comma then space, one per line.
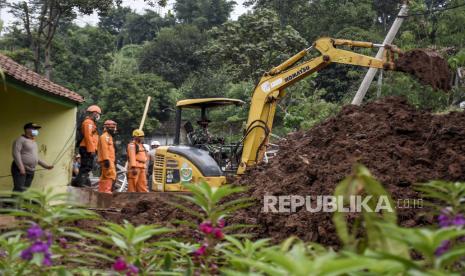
199, 136
190, 159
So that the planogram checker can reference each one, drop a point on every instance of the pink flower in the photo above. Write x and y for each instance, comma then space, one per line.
133, 270
218, 233
63, 243
206, 227
120, 265
221, 223
201, 251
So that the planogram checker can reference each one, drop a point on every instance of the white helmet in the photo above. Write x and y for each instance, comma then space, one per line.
155, 143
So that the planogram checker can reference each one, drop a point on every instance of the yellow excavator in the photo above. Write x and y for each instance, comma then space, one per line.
190, 163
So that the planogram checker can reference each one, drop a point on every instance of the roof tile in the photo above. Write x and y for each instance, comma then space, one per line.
26, 75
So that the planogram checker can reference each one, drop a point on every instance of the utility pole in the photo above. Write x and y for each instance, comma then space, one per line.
388, 40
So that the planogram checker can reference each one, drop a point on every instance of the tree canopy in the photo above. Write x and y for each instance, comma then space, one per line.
197, 50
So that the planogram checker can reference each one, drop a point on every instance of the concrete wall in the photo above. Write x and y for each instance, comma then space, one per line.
18, 106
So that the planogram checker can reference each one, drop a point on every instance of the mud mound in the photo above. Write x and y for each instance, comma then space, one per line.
428, 66
399, 144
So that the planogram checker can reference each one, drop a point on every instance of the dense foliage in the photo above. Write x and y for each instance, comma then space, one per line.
196, 50
46, 242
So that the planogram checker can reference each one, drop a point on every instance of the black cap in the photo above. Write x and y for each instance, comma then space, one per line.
202, 122
31, 125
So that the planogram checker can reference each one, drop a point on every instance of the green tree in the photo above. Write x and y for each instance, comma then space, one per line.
203, 13
139, 28
289, 12
252, 45
123, 98
82, 55
386, 12
172, 55
114, 20
41, 19
125, 61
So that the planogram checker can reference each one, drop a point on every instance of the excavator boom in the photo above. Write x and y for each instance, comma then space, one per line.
272, 85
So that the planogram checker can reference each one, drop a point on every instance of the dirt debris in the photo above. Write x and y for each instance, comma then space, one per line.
398, 143
428, 66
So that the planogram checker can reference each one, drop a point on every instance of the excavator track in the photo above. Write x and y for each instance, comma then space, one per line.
428, 66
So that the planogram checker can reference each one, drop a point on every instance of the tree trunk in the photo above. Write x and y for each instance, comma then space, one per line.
53, 19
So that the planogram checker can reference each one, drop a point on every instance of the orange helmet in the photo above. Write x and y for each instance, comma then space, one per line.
110, 123
94, 108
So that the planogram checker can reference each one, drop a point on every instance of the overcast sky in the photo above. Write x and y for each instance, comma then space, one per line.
138, 5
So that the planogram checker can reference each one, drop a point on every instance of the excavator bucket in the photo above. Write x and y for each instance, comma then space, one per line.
429, 67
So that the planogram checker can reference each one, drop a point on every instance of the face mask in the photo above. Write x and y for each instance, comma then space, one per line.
35, 132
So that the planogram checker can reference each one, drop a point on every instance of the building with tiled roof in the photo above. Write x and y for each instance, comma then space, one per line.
26, 96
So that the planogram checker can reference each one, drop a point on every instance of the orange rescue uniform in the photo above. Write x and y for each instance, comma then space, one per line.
90, 135
106, 151
137, 159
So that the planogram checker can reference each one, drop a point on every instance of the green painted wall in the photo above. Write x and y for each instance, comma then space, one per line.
57, 135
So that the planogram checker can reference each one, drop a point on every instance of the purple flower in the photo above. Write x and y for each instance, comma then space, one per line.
206, 227
120, 265
34, 232
459, 220
221, 223
26, 254
446, 219
39, 247
133, 270
443, 248
47, 260
36, 235
49, 237
218, 233
201, 251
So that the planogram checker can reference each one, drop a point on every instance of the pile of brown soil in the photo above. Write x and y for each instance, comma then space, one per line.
399, 144
428, 66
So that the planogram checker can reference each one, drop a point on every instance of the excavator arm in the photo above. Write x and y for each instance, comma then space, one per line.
272, 85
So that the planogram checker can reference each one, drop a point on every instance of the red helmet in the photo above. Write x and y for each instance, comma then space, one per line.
94, 108
110, 123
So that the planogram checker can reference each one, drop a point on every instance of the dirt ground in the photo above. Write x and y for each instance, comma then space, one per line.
398, 143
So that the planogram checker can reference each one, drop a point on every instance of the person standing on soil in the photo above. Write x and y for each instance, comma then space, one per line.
26, 158
137, 159
106, 157
88, 146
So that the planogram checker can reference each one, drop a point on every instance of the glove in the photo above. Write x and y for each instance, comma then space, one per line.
106, 164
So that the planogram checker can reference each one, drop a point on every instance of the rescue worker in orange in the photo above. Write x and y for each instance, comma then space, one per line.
88, 146
106, 157
137, 159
